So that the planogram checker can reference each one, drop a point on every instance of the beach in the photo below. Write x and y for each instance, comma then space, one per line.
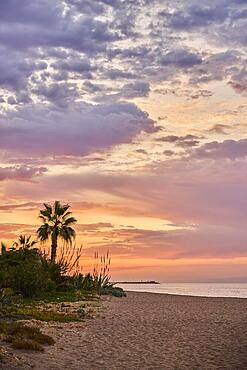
148, 331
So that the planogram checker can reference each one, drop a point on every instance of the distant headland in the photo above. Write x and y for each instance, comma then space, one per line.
137, 282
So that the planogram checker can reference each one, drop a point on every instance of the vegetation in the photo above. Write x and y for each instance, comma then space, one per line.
57, 223
36, 286
28, 273
23, 271
24, 337
24, 242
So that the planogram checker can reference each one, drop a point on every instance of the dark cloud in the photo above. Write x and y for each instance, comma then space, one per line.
219, 128
81, 228
94, 88
181, 58
239, 81
169, 153
141, 151
58, 93
43, 25
196, 16
182, 141
78, 130
135, 90
83, 66
15, 70
115, 74
232, 149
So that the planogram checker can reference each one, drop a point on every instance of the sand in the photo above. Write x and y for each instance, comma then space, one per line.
149, 331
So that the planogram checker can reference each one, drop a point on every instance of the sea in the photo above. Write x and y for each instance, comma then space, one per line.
237, 290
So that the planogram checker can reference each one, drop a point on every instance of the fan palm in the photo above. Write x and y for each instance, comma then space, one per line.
57, 223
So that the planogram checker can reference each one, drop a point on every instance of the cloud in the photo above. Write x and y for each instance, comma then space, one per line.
219, 128
116, 74
12, 230
82, 228
204, 199
20, 206
232, 149
169, 153
190, 190
196, 16
58, 93
81, 66
80, 129
175, 245
180, 58
21, 173
46, 48
182, 141
45, 25
135, 90
14, 70
239, 81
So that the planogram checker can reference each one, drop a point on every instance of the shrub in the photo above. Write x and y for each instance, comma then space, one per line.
22, 271
29, 279
27, 272
53, 269
114, 291
83, 282
24, 337
98, 283
8, 297
26, 344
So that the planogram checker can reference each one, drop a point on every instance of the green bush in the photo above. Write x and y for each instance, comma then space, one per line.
114, 291
98, 283
27, 272
83, 282
29, 279
53, 269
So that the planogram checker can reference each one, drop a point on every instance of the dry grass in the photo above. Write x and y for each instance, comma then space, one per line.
27, 344
24, 337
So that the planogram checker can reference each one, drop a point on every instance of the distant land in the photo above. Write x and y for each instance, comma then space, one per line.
137, 282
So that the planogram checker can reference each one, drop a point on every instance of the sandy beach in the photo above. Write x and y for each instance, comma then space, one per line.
149, 331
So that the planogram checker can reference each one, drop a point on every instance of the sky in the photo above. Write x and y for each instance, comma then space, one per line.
134, 112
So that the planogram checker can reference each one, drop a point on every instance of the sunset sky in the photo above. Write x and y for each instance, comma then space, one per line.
135, 113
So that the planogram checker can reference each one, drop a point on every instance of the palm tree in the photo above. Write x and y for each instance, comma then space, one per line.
57, 223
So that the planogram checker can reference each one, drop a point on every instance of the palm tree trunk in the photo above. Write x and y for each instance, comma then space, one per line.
54, 246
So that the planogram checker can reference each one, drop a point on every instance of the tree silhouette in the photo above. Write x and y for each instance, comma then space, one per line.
57, 223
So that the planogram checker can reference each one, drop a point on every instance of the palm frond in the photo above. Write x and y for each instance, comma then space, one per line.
69, 221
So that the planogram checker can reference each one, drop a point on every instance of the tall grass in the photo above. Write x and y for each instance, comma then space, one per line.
68, 259
99, 279
101, 271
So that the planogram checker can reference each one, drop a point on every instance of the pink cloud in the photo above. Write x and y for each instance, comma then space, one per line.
20, 173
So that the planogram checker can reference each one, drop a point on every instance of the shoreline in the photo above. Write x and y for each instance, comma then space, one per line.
183, 295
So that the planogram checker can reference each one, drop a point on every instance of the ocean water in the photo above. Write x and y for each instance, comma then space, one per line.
238, 290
